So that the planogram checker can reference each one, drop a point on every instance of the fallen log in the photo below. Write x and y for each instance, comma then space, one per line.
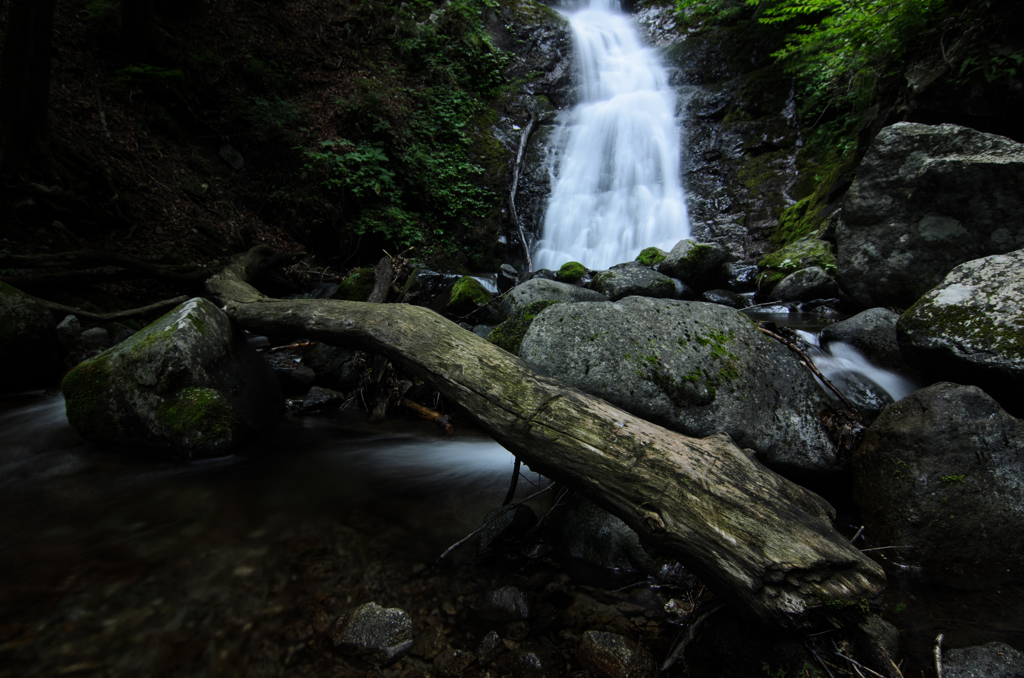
759, 540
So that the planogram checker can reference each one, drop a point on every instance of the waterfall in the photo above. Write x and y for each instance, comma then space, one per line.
616, 185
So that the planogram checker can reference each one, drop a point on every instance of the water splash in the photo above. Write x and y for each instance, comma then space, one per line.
616, 177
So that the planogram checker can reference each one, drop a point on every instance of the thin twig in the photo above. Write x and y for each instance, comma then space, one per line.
854, 662
680, 647
810, 364
488, 522
820, 661
938, 655
513, 484
859, 532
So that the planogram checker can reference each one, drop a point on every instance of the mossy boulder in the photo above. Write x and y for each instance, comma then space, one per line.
571, 272
970, 328
633, 279
696, 264
509, 334
187, 385
805, 285
652, 256
468, 296
939, 476
541, 289
28, 341
692, 367
357, 286
777, 265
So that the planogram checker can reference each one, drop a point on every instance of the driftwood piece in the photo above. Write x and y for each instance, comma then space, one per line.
82, 314
759, 540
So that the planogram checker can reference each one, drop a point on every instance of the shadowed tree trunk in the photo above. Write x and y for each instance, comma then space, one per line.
25, 89
758, 539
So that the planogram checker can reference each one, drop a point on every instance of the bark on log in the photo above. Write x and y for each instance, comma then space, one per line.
756, 538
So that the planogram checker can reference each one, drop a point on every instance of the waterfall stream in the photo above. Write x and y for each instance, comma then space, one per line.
616, 185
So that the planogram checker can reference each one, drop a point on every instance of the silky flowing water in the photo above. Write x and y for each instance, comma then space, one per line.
616, 185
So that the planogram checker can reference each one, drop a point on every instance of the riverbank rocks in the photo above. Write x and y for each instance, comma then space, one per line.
188, 384
693, 367
970, 328
696, 264
939, 477
633, 279
804, 253
383, 635
540, 289
925, 199
28, 339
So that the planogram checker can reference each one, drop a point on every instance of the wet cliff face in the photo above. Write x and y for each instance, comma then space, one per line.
526, 117
740, 131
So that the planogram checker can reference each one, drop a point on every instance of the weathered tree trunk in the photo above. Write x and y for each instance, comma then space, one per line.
759, 540
25, 88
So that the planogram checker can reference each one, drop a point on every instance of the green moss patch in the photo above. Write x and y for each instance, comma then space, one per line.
652, 256
467, 296
571, 272
509, 334
357, 286
794, 257
201, 416
85, 388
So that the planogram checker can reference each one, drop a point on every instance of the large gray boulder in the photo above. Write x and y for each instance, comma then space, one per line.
540, 289
970, 328
939, 477
805, 285
28, 341
925, 199
693, 367
633, 279
188, 384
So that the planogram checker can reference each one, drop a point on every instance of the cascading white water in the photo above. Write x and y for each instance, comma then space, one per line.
616, 182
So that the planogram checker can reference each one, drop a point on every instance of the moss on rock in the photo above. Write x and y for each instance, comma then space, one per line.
199, 416
467, 296
571, 272
509, 334
651, 256
83, 388
356, 287
794, 257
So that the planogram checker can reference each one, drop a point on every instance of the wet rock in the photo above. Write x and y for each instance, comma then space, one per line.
633, 279
696, 368
696, 264
509, 334
878, 645
295, 379
188, 384
601, 544
533, 664
938, 475
540, 289
320, 399
334, 367
28, 340
873, 333
725, 298
451, 663
508, 277
993, 660
926, 199
483, 331
805, 285
970, 328
504, 605
683, 291
505, 527
430, 643
490, 648
516, 631
382, 634
69, 332
610, 655
740, 277
805, 253
429, 284
231, 156
866, 396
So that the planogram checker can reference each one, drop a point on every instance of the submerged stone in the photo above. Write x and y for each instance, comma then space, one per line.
382, 634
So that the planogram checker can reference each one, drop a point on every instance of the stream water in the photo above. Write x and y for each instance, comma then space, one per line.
616, 185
